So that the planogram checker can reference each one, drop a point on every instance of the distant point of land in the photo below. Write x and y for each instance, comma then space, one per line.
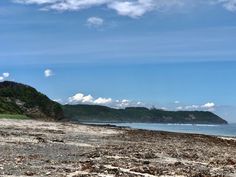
21, 101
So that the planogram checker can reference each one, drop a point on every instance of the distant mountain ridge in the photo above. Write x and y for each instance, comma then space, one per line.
17, 98
95, 113
20, 99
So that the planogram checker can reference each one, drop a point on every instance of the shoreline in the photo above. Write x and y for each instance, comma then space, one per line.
197, 124
129, 127
37, 148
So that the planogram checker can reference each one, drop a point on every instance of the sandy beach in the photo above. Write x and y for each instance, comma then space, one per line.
36, 148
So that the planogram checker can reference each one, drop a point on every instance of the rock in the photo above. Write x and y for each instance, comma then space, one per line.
29, 173
146, 162
178, 164
149, 155
230, 161
57, 140
40, 139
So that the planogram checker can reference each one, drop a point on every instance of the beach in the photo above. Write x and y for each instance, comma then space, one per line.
63, 149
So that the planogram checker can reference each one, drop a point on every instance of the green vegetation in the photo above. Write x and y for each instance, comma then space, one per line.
13, 116
94, 113
20, 99
8, 107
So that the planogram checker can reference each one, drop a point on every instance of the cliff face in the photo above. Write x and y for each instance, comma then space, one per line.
16, 98
93, 113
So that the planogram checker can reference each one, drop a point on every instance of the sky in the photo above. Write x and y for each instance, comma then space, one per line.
168, 54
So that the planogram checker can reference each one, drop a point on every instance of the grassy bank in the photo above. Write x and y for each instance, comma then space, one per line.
13, 116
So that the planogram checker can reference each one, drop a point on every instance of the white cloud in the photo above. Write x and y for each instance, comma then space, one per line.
138, 8
1, 78
80, 98
73, 5
122, 103
103, 101
179, 108
88, 99
36, 1
139, 103
6, 75
48, 73
208, 105
164, 108
192, 107
95, 21
228, 4
131, 8
58, 100
127, 103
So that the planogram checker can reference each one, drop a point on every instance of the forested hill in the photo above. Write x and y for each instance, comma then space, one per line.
95, 113
20, 99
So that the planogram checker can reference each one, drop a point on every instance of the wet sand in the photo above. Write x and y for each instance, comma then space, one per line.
36, 148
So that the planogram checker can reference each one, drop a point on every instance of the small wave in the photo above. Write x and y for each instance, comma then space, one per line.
200, 125
206, 125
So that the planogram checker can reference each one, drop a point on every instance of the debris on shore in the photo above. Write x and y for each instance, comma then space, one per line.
37, 148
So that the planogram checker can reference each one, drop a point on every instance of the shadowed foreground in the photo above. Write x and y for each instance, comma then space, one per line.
34, 148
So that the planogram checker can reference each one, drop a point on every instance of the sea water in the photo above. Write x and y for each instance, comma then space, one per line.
218, 130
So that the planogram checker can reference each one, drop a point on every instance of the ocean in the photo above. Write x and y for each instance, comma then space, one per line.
218, 130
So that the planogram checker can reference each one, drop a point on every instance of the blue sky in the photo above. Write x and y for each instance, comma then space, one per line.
176, 54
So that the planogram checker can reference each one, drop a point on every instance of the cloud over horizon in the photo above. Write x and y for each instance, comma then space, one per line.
4, 76
81, 98
209, 106
130, 8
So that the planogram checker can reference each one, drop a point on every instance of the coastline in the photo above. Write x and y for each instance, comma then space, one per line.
224, 130
37, 148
